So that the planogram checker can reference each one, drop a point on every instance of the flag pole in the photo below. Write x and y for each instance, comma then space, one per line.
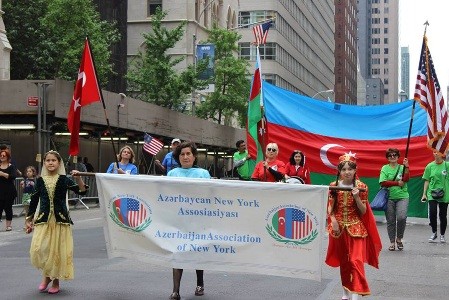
104, 106
262, 108
413, 114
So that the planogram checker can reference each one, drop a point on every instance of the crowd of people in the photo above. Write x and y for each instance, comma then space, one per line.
353, 236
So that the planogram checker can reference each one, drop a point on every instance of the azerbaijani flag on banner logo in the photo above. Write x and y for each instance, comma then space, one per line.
323, 131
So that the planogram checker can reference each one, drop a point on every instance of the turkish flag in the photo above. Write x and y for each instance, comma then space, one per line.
86, 92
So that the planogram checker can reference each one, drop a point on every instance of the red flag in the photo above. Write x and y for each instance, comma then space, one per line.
86, 92
428, 94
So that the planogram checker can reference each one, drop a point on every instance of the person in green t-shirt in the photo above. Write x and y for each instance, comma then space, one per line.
243, 162
394, 177
435, 177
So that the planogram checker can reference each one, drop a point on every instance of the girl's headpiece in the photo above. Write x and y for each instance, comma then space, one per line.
348, 157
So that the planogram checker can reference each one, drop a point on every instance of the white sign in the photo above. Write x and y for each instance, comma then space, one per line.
222, 225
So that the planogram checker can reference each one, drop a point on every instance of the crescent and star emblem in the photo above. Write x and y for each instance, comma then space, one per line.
281, 220
77, 104
323, 155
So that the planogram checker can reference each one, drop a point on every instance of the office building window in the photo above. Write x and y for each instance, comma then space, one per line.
385, 50
385, 91
248, 51
270, 78
246, 18
152, 5
385, 41
385, 20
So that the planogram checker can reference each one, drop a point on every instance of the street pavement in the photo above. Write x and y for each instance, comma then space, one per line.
421, 271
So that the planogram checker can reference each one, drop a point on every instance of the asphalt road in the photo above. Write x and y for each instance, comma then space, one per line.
419, 272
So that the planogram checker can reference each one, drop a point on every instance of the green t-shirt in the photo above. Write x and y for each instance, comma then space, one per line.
245, 170
436, 175
387, 173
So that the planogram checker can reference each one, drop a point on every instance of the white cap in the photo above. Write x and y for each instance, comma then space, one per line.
176, 141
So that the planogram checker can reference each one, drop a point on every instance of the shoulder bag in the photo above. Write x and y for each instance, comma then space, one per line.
381, 199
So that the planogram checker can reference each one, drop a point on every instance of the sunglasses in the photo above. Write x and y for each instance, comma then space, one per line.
272, 149
392, 155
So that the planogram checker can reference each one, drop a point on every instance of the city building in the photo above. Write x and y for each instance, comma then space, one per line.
346, 52
378, 40
374, 91
405, 72
299, 53
5, 49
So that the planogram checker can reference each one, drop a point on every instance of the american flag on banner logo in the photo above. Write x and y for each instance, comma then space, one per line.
136, 212
261, 32
293, 223
428, 94
302, 224
151, 144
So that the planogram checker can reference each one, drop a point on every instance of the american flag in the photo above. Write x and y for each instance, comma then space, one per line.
293, 223
136, 212
152, 145
302, 224
261, 32
428, 94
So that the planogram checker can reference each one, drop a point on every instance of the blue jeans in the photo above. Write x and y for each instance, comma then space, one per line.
396, 215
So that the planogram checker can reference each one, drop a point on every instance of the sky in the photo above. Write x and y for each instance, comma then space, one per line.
412, 15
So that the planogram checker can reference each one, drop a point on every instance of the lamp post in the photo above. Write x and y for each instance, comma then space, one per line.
322, 92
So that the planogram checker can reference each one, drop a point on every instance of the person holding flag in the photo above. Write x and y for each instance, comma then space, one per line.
271, 169
169, 163
125, 163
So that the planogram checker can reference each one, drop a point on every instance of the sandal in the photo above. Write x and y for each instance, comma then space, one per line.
9, 228
400, 246
392, 247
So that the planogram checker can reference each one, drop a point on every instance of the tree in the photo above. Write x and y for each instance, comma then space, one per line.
48, 36
152, 77
231, 80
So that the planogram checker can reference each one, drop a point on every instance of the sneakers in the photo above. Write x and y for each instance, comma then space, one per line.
442, 239
199, 291
433, 238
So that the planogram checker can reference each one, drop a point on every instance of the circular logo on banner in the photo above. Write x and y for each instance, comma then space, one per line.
130, 213
292, 225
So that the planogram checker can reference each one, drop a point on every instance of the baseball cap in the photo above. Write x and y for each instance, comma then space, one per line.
176, 141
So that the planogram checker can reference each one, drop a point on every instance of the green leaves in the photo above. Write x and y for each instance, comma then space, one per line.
48, 36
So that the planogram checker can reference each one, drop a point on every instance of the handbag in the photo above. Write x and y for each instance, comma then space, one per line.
380, 200
437, 194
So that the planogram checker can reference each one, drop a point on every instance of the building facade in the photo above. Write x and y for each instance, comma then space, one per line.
299, 53
346, 52
5, 49
405, 72
381, 38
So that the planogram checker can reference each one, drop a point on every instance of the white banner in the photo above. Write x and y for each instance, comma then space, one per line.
222, 225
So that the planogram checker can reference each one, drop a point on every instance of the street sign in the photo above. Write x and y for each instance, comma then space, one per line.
33, 101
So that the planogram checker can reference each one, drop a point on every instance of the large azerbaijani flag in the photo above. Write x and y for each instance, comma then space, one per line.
323, 131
